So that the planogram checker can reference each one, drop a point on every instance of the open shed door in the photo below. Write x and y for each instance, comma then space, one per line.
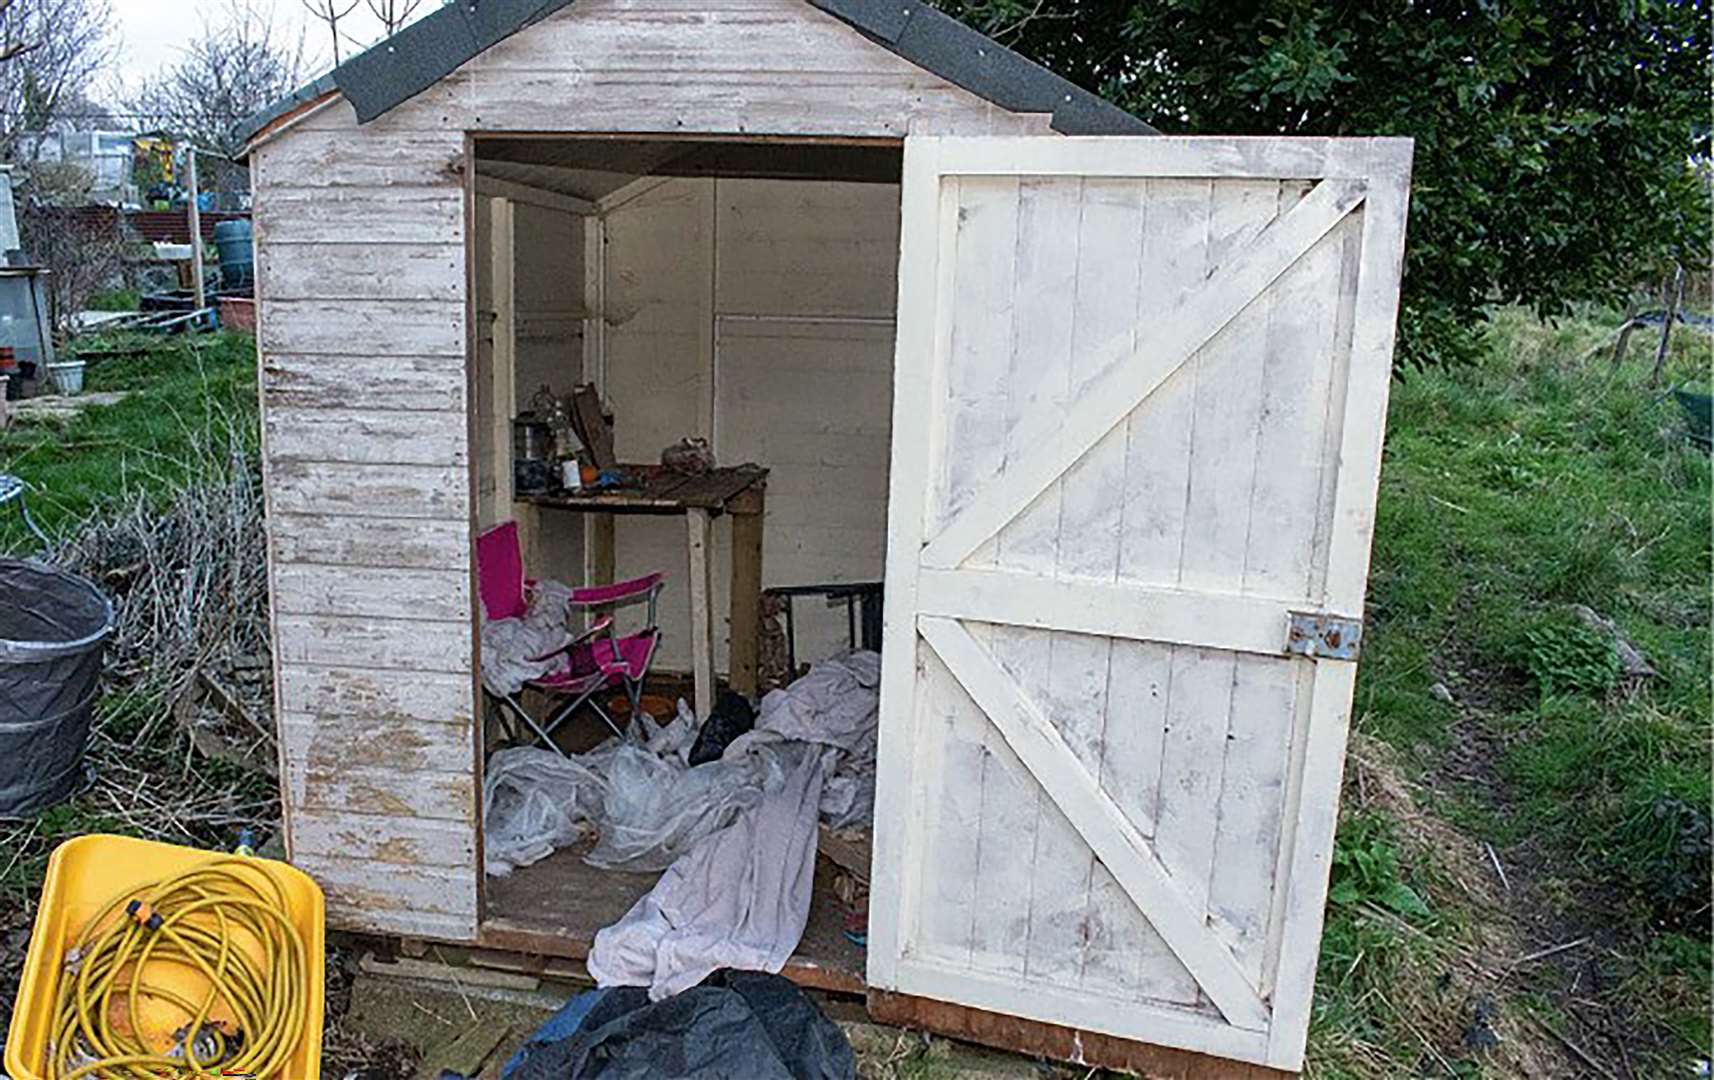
1141, 387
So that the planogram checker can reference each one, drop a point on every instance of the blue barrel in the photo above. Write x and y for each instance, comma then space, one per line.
237, 254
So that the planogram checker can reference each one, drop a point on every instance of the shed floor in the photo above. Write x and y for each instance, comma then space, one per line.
556, 906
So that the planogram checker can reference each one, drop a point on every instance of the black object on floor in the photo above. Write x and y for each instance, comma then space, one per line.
736, 1025
732, 717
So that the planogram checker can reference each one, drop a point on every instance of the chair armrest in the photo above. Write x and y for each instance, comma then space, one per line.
602, 625
594, 595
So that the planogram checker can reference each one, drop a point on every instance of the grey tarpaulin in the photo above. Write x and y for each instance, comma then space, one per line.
52, 629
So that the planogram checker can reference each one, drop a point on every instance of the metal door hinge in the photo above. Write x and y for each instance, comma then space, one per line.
1324, 637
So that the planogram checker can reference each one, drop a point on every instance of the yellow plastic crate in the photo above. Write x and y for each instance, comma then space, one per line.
83, 875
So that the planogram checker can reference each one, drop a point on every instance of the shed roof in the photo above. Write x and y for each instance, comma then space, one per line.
428, 50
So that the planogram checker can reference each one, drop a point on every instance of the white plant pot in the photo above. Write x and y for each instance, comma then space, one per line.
67, 376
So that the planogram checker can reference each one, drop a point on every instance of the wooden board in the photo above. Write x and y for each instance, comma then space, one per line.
1144, 381
1059, 1042
660, 491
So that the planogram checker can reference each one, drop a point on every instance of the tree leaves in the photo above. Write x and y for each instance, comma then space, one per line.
1558, 141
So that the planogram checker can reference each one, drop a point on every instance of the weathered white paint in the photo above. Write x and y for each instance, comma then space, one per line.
375, 696
1146, 397
364, 265
401, 384
342, 788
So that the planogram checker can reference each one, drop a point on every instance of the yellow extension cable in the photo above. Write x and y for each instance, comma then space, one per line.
224, 920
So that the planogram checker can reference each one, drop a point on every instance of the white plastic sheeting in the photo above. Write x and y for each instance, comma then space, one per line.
534, 801
737, 836
644, 804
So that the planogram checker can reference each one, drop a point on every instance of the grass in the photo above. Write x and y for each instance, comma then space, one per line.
150, 441
1514, 492
115, 300
1488, 711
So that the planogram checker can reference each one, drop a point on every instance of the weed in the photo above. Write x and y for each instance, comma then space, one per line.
200, 393
1512, 490
1565, 656
1671, 858
1366, 869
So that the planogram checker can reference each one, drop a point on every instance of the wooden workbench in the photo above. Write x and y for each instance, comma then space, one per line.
738, 491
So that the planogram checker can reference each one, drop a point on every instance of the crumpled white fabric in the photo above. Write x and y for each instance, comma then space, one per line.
837, 704
740, 897
509, 645
740, 833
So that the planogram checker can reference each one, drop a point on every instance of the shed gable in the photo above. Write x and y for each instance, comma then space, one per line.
423, 54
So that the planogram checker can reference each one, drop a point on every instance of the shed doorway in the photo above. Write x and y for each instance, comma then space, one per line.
740, 292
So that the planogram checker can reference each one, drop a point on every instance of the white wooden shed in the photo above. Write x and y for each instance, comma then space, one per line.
1103, 410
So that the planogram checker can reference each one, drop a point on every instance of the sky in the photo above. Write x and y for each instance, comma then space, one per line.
151, 33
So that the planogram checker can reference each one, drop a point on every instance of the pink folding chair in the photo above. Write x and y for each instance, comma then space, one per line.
596, 659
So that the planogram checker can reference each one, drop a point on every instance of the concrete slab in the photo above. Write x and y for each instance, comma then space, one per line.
53, 408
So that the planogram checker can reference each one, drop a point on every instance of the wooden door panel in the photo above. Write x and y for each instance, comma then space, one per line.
1139, 386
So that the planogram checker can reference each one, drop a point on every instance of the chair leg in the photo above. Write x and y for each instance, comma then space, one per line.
542, 735
588, 697
602, 713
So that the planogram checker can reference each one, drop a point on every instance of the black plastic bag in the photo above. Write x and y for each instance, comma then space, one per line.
732, 717
736, 1025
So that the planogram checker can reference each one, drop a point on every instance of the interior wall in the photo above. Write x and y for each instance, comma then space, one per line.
530, 309
548, 309
758, 313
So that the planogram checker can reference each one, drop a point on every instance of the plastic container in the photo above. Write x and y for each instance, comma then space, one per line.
52, 630
232, 239
67, 376
658, 708
83, 875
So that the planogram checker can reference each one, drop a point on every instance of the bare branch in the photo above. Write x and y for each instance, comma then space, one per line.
330, 12
50, 52
393, 13
236, 67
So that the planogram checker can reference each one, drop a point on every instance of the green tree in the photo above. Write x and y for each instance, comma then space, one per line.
1554, 140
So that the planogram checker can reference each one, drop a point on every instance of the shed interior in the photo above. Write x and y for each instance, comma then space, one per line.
737, 290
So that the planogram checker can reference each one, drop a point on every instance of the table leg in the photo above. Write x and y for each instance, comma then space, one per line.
701, 622
746, 599
600, 549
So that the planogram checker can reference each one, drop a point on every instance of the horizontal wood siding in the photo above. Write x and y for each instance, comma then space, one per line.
363, 338
360, 278
402, 384
344, 788
344, 542
410, 492
329, 270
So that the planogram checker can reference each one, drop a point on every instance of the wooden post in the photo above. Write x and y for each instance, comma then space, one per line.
600, 549
745, 603
1624, 341
701, 625
1672, 307
195, 229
